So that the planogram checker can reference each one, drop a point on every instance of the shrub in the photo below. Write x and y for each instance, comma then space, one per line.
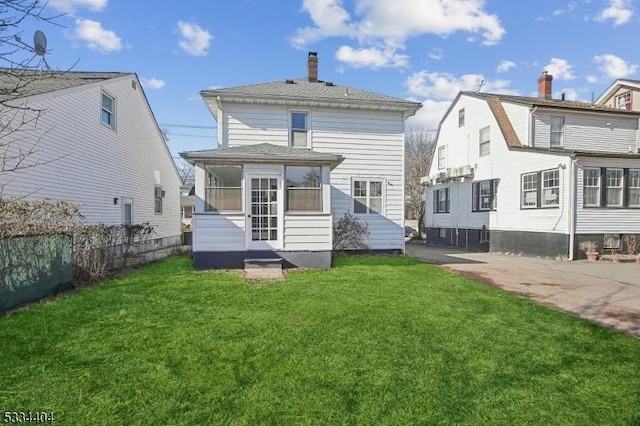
349, 233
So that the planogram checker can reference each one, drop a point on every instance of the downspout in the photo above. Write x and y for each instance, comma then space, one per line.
573, 194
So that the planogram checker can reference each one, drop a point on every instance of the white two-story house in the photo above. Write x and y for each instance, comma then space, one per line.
89, 138
535, 176
293, 157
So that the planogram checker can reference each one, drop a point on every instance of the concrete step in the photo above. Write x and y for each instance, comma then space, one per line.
263, 268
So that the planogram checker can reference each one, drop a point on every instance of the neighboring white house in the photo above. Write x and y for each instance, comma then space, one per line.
533, 175
95, 142
294, 156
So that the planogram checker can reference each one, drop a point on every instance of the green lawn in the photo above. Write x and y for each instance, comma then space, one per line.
375, 340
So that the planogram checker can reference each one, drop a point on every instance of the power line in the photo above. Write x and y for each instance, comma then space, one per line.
188, 126
169, 134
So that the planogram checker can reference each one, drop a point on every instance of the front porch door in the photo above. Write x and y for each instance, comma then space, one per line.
264, 212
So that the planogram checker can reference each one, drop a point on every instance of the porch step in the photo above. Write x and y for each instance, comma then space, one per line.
263, 269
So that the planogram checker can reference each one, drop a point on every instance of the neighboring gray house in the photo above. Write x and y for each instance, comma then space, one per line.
294, 156
95, 142
533, 175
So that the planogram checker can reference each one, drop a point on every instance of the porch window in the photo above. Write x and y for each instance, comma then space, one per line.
529, 190
441, 200
591, 179
551, 188
614, 187
634, 188
367, 196
299, 130
223, 188
557, 132
304, 188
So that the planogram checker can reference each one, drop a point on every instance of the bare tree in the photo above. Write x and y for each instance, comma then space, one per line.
186, 171
21, 70
419, 144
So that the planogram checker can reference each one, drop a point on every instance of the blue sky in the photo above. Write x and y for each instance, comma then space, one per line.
423, 50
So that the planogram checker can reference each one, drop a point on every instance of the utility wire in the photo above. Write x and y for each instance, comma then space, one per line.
188, 126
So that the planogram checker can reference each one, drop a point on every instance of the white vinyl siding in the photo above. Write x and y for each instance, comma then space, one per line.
308, 232
85, 162
217, 232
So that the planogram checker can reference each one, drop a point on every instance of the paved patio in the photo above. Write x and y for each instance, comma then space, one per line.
603, 292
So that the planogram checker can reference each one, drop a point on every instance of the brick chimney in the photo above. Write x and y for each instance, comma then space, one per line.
544, 86
312, 67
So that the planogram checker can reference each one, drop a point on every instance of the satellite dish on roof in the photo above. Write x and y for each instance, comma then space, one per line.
40, 43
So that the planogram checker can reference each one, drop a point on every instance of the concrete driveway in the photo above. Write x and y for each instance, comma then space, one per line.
603, 292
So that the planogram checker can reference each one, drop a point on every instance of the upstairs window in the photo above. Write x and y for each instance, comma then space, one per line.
461, 117
304, 188
623, 101
223, 188
485, 147
442, 157
367, 196
299, 130
108, 111
557, 132
158, 194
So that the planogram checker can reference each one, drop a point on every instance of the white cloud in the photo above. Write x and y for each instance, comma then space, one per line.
152, 83
96, 37
371, 57
619, 11
194, 40
613, 66
428, 117
560, 69
69, 6
592, 79
444, 86
376, 23
505, 65
436, 54
570, 94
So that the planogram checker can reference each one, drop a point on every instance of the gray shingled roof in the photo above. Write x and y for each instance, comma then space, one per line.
264, 152
302, 90
16, 83
554, 103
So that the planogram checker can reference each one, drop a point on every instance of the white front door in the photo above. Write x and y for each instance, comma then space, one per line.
264, 211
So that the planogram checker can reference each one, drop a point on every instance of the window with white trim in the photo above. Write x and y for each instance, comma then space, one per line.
304, 188
484, 195
623, 101
367, 196
634, 187
484, 142
556, 131
158, 194
442, 157
127, 211
461, 117
591, 185
551, 188
299, 129
108, 110
223, 187
441, 202
529, 190
614, 187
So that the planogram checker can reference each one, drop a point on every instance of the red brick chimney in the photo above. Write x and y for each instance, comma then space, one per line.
544, 85
312, 67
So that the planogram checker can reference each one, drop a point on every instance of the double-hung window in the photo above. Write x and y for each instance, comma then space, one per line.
367, 196
484, 195
442, 157
441, 200
108, 110
223, 188
591, 185
158, 193
304, 188
299, 130
556, 132
461, 117
614, 187
529, 191
634, 188
484, 142
623, 101
551, 188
